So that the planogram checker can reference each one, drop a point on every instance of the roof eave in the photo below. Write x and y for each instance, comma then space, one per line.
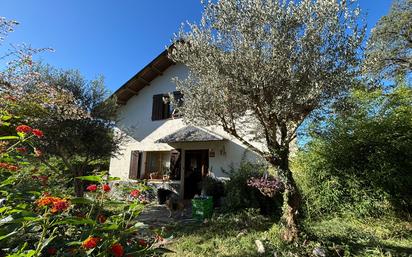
143, 78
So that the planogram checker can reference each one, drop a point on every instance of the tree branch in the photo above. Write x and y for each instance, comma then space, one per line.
234, 133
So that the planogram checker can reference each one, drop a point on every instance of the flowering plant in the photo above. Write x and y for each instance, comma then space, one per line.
48, 114
38, 220
267, 185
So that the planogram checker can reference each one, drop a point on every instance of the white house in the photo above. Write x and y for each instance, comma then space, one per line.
160, 146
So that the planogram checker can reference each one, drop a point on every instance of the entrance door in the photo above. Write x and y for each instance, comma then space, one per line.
196, 166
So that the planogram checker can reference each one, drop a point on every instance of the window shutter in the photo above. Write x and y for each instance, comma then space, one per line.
166, 113
135, 163
157, 111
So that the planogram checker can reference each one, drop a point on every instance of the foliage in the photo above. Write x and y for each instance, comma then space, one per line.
72, 132
74, 114
389, 49
35, 222
362, 237
234, 234
6, 26
213, 186
224, 235
360, 161
239, 195
267, 185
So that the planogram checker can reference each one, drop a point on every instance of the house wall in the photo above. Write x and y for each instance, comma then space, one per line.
134, 119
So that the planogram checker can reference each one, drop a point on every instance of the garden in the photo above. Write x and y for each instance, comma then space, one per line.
334, 113
41, 219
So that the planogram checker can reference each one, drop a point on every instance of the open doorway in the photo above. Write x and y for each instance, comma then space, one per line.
196, 166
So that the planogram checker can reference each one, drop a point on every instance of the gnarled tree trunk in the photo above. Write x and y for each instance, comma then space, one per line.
291, 204
291, 197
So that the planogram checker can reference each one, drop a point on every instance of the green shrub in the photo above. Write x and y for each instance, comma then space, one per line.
361, 162
241, 196
215, 187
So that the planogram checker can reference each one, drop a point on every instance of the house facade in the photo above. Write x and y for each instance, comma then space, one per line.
160, 147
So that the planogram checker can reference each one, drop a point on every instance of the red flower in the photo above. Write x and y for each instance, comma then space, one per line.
91, 188
23, 129
117, 250
106, 188
101, 218
135, 193
142, 242
90, 242
8, 166
51, 251
57, 204
60, 205
38, 133
21, 149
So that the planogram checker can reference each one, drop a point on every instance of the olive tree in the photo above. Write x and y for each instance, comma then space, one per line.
263, 66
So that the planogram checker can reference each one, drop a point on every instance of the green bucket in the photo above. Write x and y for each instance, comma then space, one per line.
202, 207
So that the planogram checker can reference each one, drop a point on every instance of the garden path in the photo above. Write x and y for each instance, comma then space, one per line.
159, 216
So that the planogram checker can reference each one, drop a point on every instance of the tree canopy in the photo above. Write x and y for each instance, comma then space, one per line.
389, 48
75, 114
359, 158
273, 61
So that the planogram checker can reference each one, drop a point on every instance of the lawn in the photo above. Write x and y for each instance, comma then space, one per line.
235, 234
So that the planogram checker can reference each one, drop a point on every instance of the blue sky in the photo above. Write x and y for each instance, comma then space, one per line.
111, 38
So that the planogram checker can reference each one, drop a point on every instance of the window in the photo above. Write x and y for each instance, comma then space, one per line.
162, 108
163, 163
157, 164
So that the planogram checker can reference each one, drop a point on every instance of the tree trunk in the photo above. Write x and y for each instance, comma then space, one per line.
77, 171
291, 199
78, 183
291, 204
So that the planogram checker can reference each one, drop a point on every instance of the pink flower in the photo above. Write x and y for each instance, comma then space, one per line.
135, 193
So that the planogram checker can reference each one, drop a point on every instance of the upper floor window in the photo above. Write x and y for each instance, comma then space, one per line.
162, 107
